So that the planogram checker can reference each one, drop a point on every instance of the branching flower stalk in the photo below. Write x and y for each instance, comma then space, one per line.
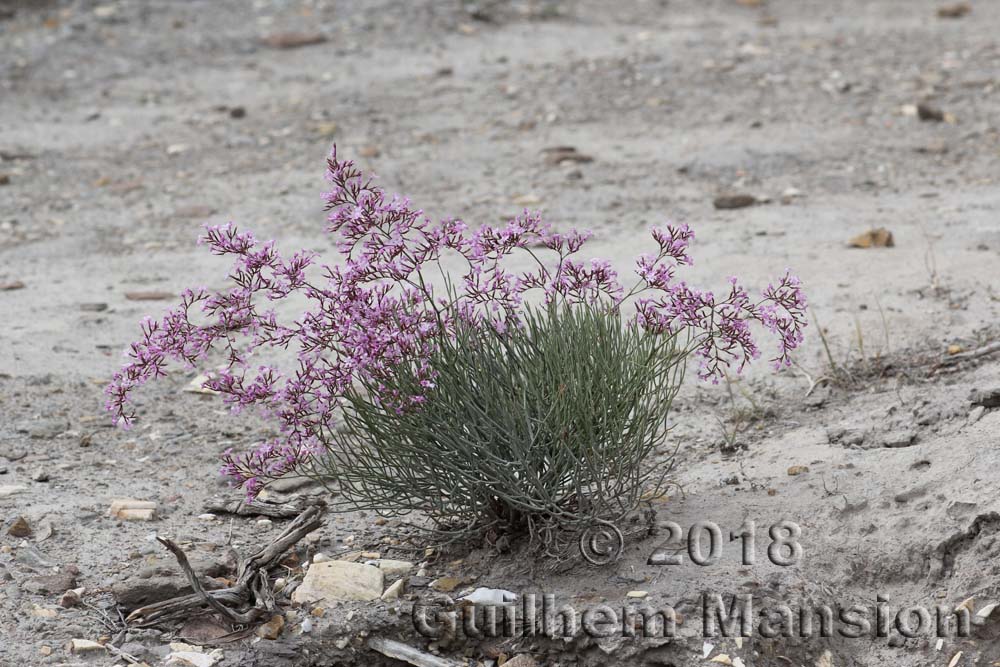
377, 310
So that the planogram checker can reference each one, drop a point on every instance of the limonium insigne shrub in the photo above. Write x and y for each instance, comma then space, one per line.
419, 389
545, 426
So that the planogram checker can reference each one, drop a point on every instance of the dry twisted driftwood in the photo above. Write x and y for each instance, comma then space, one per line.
262, 507
249, 600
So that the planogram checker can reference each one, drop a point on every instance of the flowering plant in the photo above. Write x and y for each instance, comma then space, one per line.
389, 303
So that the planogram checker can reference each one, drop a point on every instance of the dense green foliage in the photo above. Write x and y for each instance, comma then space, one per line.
545, 427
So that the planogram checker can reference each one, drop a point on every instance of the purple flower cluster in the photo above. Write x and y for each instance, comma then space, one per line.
723, 336
377, 308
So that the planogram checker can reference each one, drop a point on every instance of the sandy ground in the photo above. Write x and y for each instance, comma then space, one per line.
124, 126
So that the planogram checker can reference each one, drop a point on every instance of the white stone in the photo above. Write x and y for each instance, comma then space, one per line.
394, 591
195, 386
976, 414
340, 580
181, 647
190, 659
393, 568
127, 509
408, 654
84, 646
491, 596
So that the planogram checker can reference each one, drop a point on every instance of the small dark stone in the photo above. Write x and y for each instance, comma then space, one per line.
929, 113
19, 527
419, 582
237, 112
899, 439
276, 654
557, 155
731, 201
835, 434
50, 584
93, 307
912, 494
135, 592
154, 584
293, 40
69, 599
138, 650
955, 11
987, 398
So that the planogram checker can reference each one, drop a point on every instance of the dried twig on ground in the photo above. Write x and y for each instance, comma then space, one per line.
264, 507
983, 351
250, 600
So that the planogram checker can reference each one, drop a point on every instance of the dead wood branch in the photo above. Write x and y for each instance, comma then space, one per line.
251, 599
263, 507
